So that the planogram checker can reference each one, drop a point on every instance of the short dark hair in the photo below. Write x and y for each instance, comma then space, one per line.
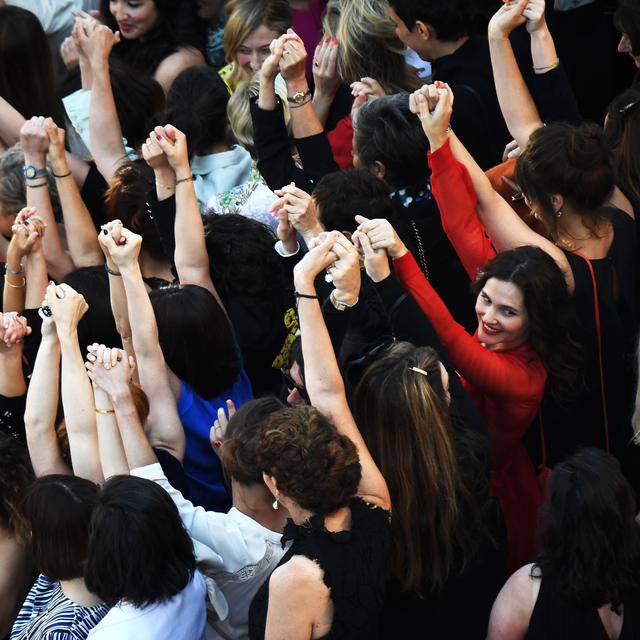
588, 536
387, 132
196, 338
98, 324
575, 162
550, 311
627, 20
451, 19
197, 106
310, 460
59, 508
239, 457
342, 195
138, 547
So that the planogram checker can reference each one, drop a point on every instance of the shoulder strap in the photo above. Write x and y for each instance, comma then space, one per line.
596, 310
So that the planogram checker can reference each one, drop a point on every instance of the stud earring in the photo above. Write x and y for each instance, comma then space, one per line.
558, 213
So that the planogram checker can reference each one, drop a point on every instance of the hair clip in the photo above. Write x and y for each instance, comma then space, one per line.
418, 370
624, 110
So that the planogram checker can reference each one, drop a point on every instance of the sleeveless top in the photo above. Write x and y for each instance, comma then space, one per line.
553, 619
581, 422
354, 564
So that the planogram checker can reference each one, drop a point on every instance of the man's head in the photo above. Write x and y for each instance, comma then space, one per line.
423, 24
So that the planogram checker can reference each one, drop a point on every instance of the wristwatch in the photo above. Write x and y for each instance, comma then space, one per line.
299, 97
31, 173
339, 305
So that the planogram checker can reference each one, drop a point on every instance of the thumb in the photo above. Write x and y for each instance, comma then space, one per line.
361, 219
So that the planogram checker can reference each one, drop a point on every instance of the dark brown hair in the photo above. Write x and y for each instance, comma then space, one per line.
59, 508
239, 453
16, 475
574, 162
311, 462
405, 423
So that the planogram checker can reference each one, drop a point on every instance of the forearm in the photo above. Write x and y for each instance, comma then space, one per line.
58, 262
267, 94
322, 106
138, 450
79, 409
13, 295
118, 298
112, 456
81, 236
12, 382
105, 132
41, 409
37, 279
543, 51
11, 122
304, 120
517, 106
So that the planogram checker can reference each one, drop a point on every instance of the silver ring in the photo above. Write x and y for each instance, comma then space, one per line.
46, 311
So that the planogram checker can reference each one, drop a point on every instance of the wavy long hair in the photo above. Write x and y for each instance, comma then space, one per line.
405, 422
369, 46
588, 537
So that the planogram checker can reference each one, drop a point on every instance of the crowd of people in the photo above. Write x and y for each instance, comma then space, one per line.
319, 320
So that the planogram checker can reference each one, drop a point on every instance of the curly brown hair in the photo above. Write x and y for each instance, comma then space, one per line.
311, 462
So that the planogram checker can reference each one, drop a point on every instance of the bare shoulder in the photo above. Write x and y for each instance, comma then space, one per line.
172, 66
514, 605
300, 573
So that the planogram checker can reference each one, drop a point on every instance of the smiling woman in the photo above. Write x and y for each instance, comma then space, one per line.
159, 37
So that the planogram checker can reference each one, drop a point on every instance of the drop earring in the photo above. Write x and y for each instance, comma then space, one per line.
275, 504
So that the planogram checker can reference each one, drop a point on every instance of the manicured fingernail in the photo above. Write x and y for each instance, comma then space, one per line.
217, 444
158, 136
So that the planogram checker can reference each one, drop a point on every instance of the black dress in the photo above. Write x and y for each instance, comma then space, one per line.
555, 619
580, 422
354, 564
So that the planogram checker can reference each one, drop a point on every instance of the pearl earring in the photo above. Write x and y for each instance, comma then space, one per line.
275, 504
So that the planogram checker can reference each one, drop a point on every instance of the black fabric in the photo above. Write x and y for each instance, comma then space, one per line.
555, 619
93, 193
419, 224
554, 97
477, 119
354, 566
12, 416
580, 422
173, 470
273, 151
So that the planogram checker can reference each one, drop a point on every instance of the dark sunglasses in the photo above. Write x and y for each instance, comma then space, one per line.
292, 384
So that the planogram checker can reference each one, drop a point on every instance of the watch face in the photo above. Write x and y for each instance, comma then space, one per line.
298, 97
30, 172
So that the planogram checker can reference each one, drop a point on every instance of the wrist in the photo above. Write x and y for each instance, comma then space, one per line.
296, 85
165, 175
540, 33
35, 159
398, 251
438, 141
497, 35
304, 284
310, 233
68, 336
119, 394
348, 298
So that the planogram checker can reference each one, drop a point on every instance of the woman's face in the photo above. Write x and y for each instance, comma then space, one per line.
502, 317
135, 18
624, 46
255, 50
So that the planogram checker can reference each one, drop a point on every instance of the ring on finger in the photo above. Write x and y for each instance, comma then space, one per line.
46, 311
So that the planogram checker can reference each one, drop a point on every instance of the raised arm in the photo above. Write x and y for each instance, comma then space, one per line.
109, 370
517, 105
158, 382
105, 132
501, 223
13, 330
322, 375
42, 403
191, 257
325, 77
35, 144
68, 307
81, 234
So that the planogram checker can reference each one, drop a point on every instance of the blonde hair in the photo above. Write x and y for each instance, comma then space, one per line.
244, 17
239, 112
369, 46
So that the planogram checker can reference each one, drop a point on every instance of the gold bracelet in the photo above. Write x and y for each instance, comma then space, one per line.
105, 411
14, 286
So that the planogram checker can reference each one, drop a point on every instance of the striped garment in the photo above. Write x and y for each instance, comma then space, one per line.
47, 614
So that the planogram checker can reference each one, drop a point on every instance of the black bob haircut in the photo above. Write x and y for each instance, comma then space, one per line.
138, 549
